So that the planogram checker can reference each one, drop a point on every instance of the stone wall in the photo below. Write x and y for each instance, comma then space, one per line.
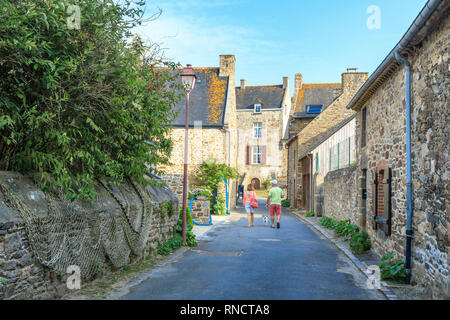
340, 194
41, 234
386, 143
201, 210
175, 183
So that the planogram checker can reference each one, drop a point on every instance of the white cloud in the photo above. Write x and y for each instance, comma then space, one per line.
191, 35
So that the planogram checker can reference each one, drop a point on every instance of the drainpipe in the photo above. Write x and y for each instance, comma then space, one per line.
409, 230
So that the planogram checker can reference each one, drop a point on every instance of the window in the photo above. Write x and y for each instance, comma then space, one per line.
257, 155
257, 107
317, 162
363, 127
257, 130
314, 108
381, 197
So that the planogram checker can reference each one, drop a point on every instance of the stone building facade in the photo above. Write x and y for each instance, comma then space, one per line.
212, 127
381, 153
301, 182
263, 113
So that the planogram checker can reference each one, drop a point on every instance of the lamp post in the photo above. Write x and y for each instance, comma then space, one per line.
188, 80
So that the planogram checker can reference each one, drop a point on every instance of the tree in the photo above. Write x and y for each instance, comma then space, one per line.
210, 176
81, 104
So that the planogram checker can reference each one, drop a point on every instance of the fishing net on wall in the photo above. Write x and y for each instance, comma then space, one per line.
87, 235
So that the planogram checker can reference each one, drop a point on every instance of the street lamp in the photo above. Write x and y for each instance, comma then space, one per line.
188, 80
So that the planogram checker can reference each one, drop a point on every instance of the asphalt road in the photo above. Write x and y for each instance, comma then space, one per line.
236, 263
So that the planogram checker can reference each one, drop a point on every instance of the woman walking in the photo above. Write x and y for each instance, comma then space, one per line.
250, 202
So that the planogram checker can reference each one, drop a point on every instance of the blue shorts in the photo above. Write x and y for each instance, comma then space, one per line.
248, 207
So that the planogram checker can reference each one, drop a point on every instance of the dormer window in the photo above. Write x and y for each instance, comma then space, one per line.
314, 108
257, 108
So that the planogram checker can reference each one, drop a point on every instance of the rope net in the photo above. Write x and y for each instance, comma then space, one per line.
74, 233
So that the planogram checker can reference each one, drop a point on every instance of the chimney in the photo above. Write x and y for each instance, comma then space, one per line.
227, 65
298, 81
285, 82
353, 80
243, 84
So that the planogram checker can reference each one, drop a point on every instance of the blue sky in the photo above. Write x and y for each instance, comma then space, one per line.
272, 39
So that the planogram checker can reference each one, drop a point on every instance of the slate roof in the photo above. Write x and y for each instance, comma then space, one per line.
270, 97
207, 100
317, 94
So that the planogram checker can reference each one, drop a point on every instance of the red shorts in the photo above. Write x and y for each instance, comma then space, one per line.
275, 209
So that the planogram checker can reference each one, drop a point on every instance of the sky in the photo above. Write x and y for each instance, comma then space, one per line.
274, 38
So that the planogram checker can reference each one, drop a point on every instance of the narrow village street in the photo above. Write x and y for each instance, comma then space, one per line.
233, 262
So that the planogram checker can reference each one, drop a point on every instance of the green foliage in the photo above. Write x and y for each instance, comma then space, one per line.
327, 222
177, 240
210, 177
360, 242
266, 183
309, 214
200, 192
339, 226
220, 207
167, 209
285, 203
78, 105
392, 269
349, 230
3, 281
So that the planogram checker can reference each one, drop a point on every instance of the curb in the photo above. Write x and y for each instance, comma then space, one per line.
360, 265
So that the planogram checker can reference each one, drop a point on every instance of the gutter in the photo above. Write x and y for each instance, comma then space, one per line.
409, 36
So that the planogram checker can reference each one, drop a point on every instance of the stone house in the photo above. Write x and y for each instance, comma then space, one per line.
212, 127
313, 131
263, 113
382, 153
334, 167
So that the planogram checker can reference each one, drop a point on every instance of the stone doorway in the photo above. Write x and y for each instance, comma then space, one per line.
256, 183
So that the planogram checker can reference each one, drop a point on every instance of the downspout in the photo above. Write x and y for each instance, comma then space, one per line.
409, 230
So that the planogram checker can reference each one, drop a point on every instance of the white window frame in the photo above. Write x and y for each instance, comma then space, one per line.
256, 155
257, 108
257, 130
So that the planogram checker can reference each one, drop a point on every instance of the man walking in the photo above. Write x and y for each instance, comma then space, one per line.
274, 199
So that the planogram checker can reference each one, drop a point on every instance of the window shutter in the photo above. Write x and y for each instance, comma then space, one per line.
248, 155
263, 155
387, 201
375, 198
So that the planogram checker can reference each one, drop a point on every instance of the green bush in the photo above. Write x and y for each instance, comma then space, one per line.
360, 242
285, 203
79, 104
177, 240
327, 222
210, 177
266, 184
309, 214
392, 269
349, 230
339, 226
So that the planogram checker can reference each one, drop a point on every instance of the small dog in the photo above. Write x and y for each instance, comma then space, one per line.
265, 220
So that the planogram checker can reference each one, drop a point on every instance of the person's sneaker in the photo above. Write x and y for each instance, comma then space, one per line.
278, 225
